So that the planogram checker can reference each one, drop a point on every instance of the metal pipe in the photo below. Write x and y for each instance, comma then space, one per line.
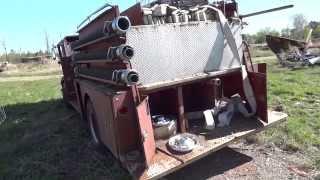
121, 76
266, 11
129, 77
313, 25
95, 12
119, 25
122, 52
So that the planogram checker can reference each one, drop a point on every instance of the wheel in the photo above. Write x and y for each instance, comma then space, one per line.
64, 96
93, 125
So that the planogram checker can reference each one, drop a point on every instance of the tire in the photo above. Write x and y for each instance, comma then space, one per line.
93, 125
64, 96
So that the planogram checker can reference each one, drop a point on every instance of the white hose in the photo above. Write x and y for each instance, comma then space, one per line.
247, 88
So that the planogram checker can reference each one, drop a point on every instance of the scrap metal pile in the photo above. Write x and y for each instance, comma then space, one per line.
292, 52
4, 66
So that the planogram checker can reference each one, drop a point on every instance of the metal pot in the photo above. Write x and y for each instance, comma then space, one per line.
164, 126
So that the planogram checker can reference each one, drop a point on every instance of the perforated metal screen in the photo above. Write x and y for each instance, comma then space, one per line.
174, 51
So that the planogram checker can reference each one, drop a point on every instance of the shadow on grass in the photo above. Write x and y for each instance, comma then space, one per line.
42, 141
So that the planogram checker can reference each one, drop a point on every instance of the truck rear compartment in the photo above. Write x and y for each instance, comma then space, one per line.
177, 67
190, 97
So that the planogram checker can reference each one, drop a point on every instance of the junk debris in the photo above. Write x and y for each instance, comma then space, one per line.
294, 53
4, 66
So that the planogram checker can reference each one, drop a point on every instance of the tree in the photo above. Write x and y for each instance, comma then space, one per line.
5, 50
260, 37
316, 33
47, 43
286, 32
250, 38
12, 52
299, 24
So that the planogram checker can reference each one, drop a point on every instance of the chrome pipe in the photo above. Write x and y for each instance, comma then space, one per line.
129, 77
119, 25
123, 52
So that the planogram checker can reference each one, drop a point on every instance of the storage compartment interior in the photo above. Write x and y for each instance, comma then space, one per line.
194, 97
177, 101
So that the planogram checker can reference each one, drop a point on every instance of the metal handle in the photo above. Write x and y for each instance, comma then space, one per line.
95, 12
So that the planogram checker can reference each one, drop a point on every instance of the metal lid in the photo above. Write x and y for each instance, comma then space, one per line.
183, 143
161, 120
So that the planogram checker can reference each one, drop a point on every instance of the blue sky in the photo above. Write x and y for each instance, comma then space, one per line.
23, 22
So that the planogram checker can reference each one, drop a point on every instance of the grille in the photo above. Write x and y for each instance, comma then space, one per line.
174, 51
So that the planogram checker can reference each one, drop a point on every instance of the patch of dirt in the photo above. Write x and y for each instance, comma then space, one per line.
243, 161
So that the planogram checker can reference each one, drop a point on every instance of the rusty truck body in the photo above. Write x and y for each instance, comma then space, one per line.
124, 68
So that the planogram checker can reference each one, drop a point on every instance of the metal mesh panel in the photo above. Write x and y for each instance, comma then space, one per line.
174, 51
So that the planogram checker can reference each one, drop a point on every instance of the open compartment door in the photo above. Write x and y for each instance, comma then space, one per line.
258, 78
145, 125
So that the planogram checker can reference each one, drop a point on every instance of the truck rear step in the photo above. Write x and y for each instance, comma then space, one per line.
165, 162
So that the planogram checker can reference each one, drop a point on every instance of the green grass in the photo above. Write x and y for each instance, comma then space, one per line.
298, 93
57, 72
12, 93
261, 53
38, 142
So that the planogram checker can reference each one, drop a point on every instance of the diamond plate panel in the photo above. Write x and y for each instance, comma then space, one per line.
174, 51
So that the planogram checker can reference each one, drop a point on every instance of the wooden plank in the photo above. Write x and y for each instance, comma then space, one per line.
165, 162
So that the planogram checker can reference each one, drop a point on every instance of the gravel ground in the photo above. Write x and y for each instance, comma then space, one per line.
243, 161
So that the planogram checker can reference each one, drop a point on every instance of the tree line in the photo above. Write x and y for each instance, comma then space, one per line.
15, 56
300, 29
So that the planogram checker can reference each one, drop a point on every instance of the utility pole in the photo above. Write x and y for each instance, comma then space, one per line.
47, 42
5, 50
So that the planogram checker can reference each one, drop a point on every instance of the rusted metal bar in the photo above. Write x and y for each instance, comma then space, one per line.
92, 56
97, 79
